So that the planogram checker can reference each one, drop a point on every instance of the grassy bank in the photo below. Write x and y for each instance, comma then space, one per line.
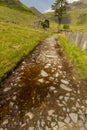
16, 41
76, 55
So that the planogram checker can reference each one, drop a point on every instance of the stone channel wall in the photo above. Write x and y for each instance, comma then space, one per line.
78, 38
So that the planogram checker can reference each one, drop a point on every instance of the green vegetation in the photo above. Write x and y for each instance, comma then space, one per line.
15, 4
76, 55
76, 16
18, 36
15, 16
16, 41
66, 27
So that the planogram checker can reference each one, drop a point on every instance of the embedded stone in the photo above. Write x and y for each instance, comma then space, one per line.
5, 122
30, 115
41, 80
61, 124
74, 117
44, 74
52, 88
7, 89
51, 112
65, 88
65, 81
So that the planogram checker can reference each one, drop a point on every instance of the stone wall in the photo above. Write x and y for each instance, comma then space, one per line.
79, 38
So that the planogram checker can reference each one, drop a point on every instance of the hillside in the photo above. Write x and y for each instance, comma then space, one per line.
14, 11
16, 4
80, 17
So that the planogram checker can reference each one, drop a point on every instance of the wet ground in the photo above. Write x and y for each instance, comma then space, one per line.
44, 93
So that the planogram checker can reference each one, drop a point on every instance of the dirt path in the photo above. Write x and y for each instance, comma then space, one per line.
44, 93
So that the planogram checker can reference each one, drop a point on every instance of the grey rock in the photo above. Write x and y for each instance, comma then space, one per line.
48, 118
67, 120
52, 88
77, 105
66, 99
41, 80
51, 112
55, 127
7, 89
42, 123
86, 124
65, 81
14, 98
30, 115
51, 78
53, 124
31, 128
64, 109
82, 128
61, 124
60, 97
74, 117
56, 75
11, 104
44, 74
65, 87
5, 122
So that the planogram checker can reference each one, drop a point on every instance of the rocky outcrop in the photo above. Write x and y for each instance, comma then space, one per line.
79, 38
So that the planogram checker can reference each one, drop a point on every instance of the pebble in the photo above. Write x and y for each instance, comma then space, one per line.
82, 128
66, 98
55, 127
31, 128
65, 87
51, 78
23, 125
7, 89
47, 65
67, 120
14, 97
52, 88
42, 123
5, 122
74, 117
65, 82
60, 97
77, 105
53, 124
61, 124
44, 74
48, 118
30, 115
41, 80
51, 112
56, 75
11, 104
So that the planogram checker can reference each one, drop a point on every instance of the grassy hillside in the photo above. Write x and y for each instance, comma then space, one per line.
17, 35
16, 4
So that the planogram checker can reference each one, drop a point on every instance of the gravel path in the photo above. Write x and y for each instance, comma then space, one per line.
44, 93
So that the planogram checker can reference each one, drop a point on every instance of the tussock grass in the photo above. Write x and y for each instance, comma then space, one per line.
76, 55
16, 41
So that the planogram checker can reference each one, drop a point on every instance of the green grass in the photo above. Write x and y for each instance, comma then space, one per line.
15, 4
16, 16
76, 55
16, 41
